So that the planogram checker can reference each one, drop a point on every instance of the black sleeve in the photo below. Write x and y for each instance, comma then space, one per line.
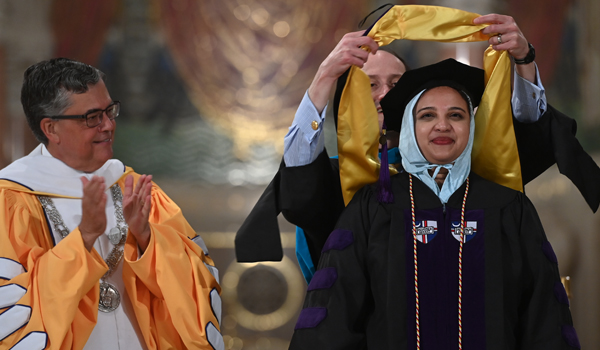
545, 319
338, 298
552, 140
259, 239
311, 198
534, 143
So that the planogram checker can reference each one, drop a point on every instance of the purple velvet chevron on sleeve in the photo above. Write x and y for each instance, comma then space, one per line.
323, 279
339, 239
570, 336
560, 293
311, 317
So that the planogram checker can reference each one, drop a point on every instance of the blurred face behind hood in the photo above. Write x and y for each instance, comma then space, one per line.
384, 70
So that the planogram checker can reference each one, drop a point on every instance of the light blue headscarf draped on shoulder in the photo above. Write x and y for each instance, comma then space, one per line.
415, 163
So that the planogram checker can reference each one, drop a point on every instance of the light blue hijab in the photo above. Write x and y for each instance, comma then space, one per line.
415, 163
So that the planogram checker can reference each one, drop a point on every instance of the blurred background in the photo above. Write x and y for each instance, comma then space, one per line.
209, 88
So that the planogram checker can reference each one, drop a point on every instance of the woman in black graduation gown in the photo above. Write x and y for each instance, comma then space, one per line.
454, 261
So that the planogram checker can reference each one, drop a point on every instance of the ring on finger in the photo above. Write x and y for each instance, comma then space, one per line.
499, 39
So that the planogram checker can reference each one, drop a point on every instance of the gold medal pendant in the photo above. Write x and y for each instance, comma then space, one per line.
110, 298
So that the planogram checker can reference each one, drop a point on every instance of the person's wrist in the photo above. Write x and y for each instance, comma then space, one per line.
143, 239
88, 237
319, 91
530, 57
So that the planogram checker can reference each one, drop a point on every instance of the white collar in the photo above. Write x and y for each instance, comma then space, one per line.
41, 172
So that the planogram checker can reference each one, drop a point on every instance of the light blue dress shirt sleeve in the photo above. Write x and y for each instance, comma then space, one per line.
528, 99
303, 144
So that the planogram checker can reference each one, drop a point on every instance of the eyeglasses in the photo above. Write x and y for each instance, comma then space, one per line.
94, 118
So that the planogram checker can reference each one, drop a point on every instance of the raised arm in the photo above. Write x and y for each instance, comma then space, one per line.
304, 141
506, 35
528, 98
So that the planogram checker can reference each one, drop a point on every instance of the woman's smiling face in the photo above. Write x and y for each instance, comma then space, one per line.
442, 123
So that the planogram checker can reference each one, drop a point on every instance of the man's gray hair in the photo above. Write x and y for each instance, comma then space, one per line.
48, 86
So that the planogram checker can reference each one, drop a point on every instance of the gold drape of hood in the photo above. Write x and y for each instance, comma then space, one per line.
494, 155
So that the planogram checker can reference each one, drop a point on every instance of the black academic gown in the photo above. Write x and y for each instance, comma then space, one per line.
310, 196
362, 295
